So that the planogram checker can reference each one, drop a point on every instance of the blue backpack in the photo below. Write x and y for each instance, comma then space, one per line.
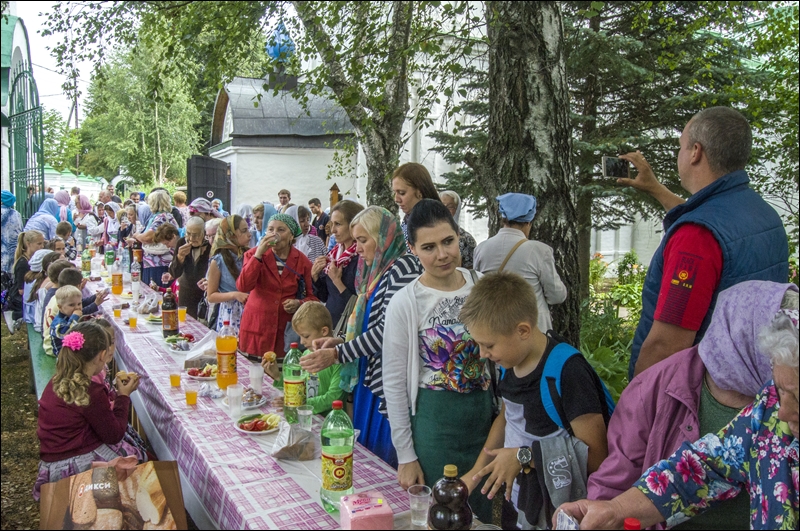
550, 385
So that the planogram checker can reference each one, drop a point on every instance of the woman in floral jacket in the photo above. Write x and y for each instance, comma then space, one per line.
757, 451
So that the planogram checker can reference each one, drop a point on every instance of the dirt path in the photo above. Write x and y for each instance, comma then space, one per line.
20, 446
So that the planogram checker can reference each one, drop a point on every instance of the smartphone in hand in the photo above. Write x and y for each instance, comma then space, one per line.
615, 168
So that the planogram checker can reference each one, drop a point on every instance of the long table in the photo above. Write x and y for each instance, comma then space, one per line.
229, 479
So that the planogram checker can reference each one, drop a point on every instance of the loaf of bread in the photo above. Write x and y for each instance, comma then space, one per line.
131, 519
108, 519
82, 505
105, 488
150, 499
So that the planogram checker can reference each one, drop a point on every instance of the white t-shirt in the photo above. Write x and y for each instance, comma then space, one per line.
449, 358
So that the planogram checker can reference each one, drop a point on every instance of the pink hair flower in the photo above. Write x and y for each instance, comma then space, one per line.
73, 340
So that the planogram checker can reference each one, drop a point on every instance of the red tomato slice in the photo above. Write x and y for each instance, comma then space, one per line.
260, 425
194, 372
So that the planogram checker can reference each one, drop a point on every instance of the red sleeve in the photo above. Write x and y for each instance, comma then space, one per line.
251, 272
109, 425
692, 271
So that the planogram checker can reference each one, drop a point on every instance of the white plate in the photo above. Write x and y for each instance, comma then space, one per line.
252, 405
125, 296
204, 378
236, 427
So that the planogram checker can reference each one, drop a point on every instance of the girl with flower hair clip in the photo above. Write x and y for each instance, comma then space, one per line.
76, 424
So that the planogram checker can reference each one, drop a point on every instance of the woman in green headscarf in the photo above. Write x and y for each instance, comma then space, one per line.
383, 269
277, 278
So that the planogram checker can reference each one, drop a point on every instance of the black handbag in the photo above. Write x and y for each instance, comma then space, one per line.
202, 309
301, 281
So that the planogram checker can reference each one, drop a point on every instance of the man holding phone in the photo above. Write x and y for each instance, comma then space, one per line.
725, 233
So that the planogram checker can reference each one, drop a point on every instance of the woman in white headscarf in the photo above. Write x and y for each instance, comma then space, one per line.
308, 244
466, 243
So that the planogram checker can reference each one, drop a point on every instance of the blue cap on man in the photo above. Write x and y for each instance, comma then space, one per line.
517, 208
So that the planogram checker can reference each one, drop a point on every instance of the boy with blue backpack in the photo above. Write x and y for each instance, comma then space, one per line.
550, 433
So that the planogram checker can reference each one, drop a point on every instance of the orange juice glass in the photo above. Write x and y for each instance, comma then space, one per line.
191, 397
132, 319
182, 313
117, 313
175, 379
92, 252
116, 283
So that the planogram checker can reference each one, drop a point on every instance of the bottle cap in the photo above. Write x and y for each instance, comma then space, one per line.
631, 523
226, 323
169, 290
294, 345
450, 471
337, 404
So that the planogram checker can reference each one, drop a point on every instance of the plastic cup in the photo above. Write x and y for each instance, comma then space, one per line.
257, 378
235, 392
304, 416
132, 319
182, 313
117, 313
175, 379
191, 397
419, 496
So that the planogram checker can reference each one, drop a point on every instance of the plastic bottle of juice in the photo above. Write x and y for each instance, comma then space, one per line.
116, 278
86, 263
338, 438
450, 508
294, 384
227, 343
136, 273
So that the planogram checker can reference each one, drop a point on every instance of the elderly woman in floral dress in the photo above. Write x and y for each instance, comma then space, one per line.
757, 452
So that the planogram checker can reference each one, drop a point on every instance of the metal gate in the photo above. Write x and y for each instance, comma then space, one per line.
27, 153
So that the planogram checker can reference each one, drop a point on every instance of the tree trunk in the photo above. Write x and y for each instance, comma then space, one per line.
586, 197
529, 132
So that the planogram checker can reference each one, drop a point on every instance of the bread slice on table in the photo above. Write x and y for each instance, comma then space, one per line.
150, 499
83, 508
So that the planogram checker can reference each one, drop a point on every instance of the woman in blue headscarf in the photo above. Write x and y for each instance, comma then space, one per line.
46, 219
10, 230
216, 204
262, 213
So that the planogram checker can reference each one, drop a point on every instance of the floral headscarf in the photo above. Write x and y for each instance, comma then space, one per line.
226, 237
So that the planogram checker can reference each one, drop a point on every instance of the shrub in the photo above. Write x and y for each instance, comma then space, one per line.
629, 270
606, 340
597, 272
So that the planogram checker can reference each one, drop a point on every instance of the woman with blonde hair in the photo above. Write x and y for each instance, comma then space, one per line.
155, 265
224, 268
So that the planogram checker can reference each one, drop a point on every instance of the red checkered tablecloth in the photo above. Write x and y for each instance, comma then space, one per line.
233, 475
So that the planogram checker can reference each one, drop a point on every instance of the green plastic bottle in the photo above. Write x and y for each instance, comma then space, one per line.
294, 384
338, 437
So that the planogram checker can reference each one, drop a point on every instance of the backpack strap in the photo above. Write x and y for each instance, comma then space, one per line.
511, 253
550, 384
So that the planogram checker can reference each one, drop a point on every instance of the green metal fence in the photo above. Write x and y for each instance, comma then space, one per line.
25, 132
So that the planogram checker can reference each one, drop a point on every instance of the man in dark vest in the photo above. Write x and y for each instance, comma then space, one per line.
725, 233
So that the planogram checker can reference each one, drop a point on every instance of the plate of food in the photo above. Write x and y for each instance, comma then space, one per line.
154, 319
250, 400
257, 424
126, 295
209, 372
180, 342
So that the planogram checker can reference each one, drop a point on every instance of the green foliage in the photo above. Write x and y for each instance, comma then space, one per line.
630, 270
606, 340
150, 133
61, 144
597, 272
794, 271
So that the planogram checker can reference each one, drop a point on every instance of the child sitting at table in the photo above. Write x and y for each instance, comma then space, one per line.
68, 299
65, 276
76, 425
64, 231
311, 321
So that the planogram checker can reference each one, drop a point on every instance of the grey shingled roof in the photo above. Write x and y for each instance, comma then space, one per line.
281, 115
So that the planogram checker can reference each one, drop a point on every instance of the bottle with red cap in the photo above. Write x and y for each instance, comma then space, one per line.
337, 438
294, 384
631, 523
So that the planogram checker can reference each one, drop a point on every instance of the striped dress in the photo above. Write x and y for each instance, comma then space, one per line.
369, 344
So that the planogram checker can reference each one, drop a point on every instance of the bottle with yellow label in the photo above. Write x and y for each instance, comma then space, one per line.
227, 344
337, 438
294, 384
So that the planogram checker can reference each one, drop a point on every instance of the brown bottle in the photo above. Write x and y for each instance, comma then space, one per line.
169, 314
451, 508
137, 253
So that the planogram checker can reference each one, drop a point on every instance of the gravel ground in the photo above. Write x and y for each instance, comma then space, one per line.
20, 446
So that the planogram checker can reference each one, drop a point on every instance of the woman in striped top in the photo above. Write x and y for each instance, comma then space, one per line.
383, 270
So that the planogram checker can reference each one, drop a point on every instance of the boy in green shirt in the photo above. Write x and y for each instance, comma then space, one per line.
312, 321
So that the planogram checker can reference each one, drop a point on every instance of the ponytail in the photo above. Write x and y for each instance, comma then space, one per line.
23, 241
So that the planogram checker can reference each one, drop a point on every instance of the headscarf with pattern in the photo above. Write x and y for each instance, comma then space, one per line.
289, 221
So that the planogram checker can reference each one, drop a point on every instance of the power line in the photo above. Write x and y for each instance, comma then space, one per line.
59, 73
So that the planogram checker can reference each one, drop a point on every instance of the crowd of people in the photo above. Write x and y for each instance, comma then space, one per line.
446, 351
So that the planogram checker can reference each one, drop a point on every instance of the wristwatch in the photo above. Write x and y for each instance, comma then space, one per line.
524, 457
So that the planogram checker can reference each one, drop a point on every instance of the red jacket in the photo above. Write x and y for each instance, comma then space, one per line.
264, 320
